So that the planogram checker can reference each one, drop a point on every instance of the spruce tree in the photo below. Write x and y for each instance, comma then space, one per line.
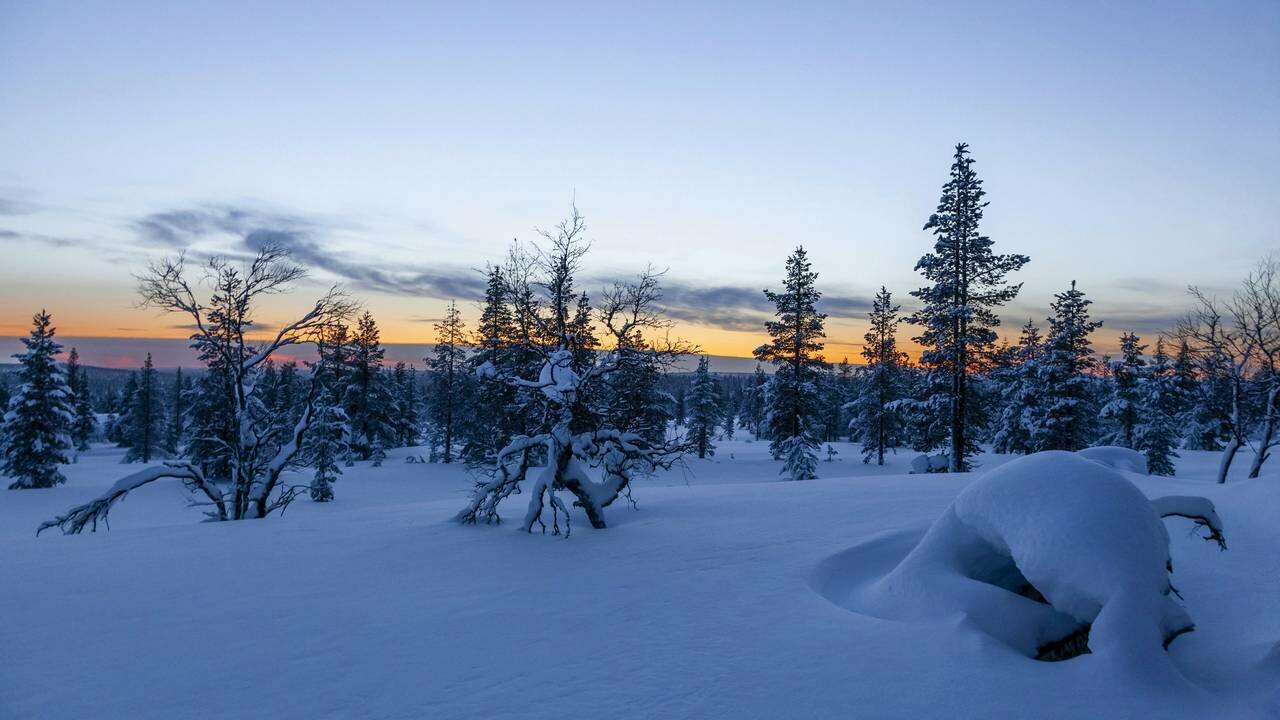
1155, 432
958, 314
491, 421
405, 383
325, 444
449, 381
874, 421
179, 394
754, 403
367, 397
146, 417
78, 381
1019, 394
1123, 408
794, 401
704, 409
1066, 417
36, 433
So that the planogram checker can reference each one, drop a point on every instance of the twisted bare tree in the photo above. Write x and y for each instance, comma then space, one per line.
223, 323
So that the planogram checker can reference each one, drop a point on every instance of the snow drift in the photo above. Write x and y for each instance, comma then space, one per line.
1053, 554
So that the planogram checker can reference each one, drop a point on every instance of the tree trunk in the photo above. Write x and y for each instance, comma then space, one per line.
1268, 432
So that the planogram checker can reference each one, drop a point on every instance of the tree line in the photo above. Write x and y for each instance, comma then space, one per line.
556, 393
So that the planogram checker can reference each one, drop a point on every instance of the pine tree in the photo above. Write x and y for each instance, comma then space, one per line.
797, 334
704, 409
968, 284
36, 433
449, 381
367, 398
1124, 406
146, 417
1019, 394
78, 381
1155, 432
875, 421
1066, 417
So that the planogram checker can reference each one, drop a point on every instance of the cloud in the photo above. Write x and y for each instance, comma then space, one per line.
309, 240
443, 284
740, 308
10, 206
182, 227
50, 240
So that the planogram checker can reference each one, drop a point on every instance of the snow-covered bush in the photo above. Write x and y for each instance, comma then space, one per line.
1054, 554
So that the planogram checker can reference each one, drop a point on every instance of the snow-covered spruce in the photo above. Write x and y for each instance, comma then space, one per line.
967, 284
1055, 555
36, 433
793, 402
704, 409
261, 449
580, 442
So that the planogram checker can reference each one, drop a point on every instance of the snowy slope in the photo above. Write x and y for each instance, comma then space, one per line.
700, 603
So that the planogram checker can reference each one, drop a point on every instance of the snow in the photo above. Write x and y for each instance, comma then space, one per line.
716, 597
1120, 458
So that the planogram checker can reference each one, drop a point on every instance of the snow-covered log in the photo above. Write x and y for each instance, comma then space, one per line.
89, 514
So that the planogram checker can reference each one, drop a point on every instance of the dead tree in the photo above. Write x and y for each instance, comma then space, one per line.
223, 322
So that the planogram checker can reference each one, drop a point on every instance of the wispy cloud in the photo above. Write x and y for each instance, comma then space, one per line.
311, 240
741, 308
50, 240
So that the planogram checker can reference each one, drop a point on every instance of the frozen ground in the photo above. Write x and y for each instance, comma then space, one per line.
700, 603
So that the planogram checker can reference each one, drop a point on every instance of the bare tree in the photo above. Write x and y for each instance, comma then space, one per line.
1238, 342
1255, 310
580, 443
223, 322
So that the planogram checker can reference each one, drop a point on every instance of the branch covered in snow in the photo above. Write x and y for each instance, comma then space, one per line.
76, 519
1197, 509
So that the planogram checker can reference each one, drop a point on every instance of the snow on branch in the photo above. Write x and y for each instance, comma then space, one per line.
1197, 509
78, 518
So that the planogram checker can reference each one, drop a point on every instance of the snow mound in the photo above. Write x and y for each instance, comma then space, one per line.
1120, 458
1053, 554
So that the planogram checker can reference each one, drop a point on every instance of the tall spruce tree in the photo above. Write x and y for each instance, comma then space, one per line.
1066, 417
704, 409
449, 381
794, 401
958, 314
875, 421
368, 400
146, 417
36, 433
491, 421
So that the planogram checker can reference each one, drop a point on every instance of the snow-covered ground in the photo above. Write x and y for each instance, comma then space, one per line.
702, 602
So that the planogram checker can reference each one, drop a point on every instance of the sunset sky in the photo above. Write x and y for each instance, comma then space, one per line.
1133, 147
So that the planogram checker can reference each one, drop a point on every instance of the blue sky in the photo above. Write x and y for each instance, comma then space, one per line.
1130, 146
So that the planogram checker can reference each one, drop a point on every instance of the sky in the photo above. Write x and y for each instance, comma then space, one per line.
1133, 147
